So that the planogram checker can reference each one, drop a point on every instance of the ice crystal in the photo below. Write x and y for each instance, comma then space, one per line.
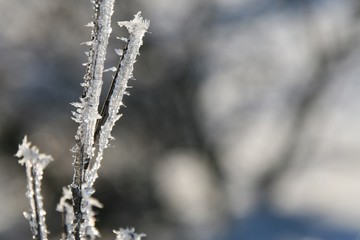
111, 69
35, 163
90, 24
88, 43
119, 52
124, 39
128, 234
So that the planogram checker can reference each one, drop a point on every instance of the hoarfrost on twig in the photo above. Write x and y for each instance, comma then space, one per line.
77, 203
87, 109
137, 29
35, 163
93, 126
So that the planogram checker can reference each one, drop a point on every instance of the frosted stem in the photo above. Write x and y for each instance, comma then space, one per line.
87, 109
94, 127
110, 113
34, 163
67, 211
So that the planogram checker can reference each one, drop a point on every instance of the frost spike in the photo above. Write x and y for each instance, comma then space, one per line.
112, 69
124, 39
90, 24
88, 43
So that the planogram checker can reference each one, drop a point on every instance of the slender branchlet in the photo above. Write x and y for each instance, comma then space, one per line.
93, 126
87, 109
65, 207
35, 163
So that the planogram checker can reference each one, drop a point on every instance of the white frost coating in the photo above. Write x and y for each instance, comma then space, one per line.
35, 163
128, 234
137, 29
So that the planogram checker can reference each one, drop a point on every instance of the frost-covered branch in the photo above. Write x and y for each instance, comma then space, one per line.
110, 114
93, 133
87, 109
128, 234
35, 163
84, 178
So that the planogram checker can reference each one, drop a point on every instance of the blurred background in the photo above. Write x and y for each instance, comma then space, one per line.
243, 124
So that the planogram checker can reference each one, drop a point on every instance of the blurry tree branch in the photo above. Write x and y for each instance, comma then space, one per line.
303, 109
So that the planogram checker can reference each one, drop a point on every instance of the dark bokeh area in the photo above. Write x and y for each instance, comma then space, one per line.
243, 123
